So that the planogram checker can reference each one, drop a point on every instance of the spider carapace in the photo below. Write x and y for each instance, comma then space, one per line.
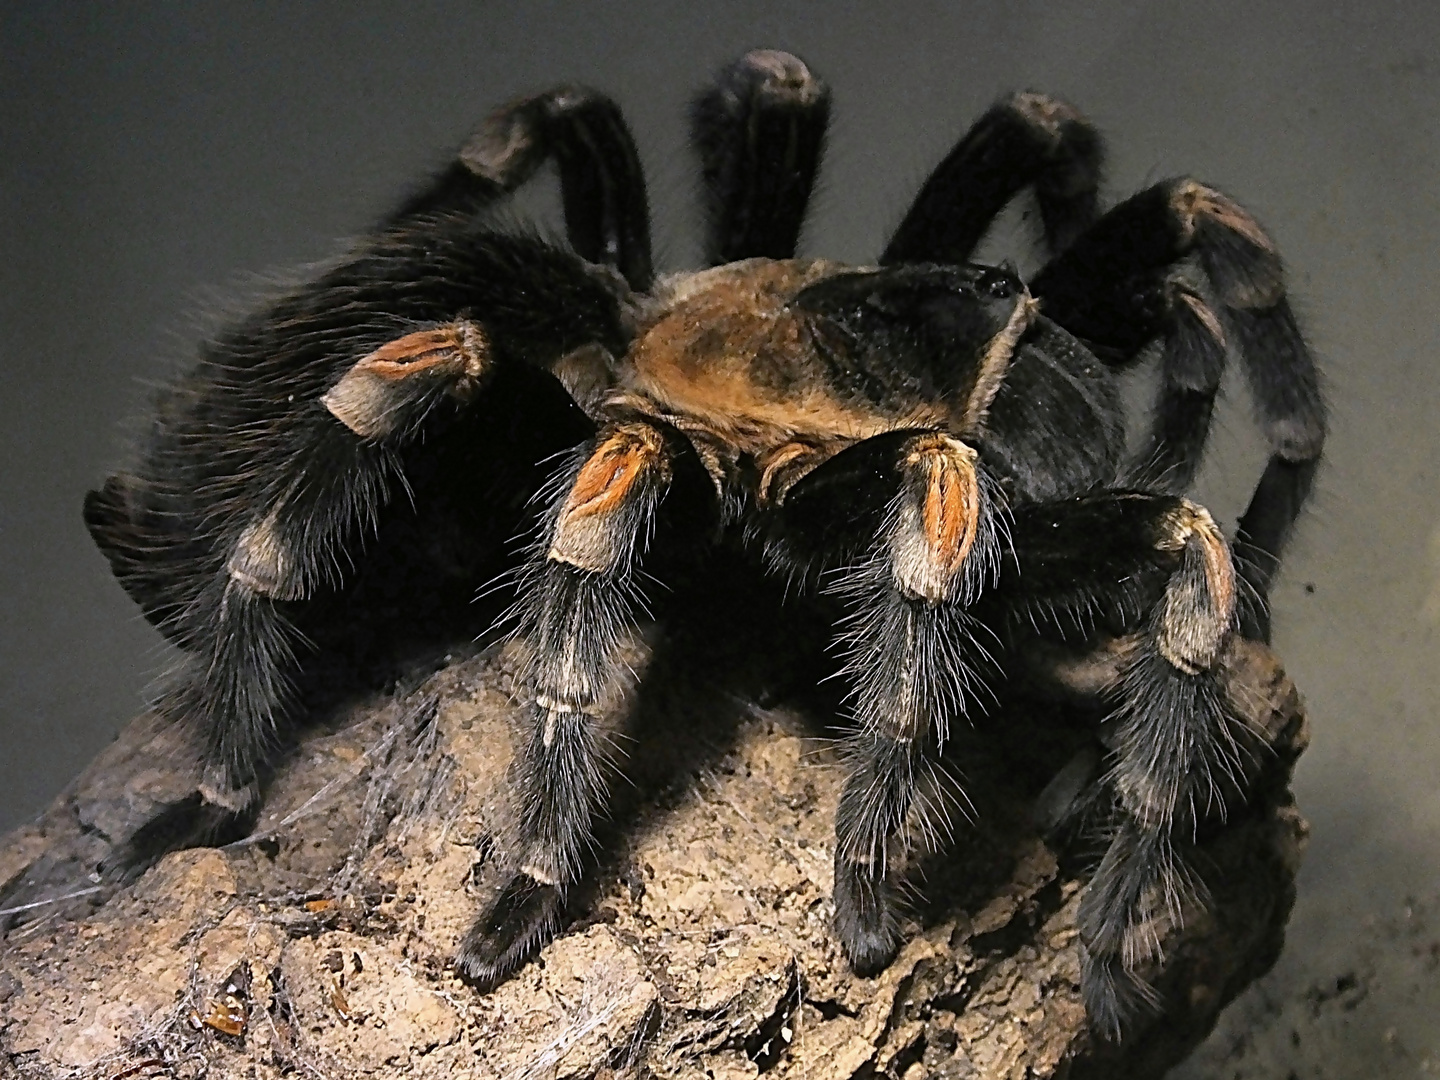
781, 363
938, 445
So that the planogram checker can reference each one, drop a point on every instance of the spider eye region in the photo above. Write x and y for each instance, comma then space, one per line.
999, 283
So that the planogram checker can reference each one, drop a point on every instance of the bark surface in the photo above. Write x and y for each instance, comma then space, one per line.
320, 946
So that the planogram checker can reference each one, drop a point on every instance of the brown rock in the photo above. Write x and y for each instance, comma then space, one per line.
703, 950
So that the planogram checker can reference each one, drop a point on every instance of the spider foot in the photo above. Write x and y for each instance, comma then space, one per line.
1113, 996
772, 75
525, 915
1141, 887
864, 917
190, 822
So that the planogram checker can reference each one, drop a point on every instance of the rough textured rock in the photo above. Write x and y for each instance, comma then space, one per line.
320, 945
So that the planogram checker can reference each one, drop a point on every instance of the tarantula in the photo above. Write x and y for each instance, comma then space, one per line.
938, 444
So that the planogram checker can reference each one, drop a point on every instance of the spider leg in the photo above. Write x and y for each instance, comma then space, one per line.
1192, 363
602, 183
236, 687
915, 529
395, 278
760, 132
1026, 139
579, 601
270, 464
1157, 567
1118, 288
129, 533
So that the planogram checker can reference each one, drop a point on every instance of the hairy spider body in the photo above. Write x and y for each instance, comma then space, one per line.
934, 443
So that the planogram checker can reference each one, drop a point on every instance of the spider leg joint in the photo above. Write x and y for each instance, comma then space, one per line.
1199, 605
938, 517
590, 531
388, 389
263, 563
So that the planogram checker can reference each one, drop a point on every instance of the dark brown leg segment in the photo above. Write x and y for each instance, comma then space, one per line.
602, 183
1157, 567
270, 466
760, 132
915, 523
1026, 140
1118, 288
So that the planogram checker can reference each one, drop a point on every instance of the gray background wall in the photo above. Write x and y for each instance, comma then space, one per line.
153, 159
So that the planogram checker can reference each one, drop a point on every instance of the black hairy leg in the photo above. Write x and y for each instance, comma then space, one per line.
194, 821
1123, 283
760, 133
1026, 140
1192, 363
236, 688
579, 600
602, 184
362, 345
269, 468
1179, 262
912, 530
437, 256
1155, 570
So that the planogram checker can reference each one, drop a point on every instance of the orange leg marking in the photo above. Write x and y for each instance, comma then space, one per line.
371, 400
951, 513
612, 470
587, 533
459, 348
